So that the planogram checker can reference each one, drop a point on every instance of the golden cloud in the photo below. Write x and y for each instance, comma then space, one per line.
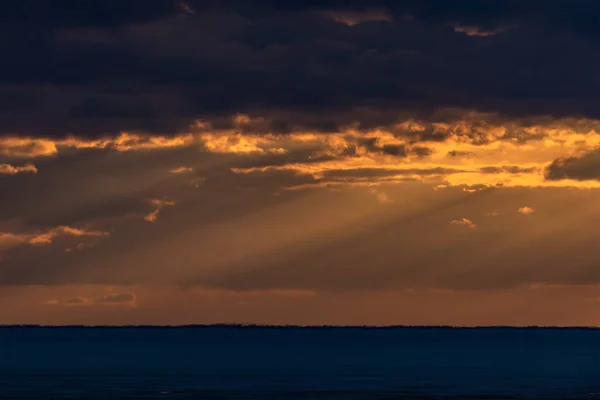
48, 237
9, 240
500, 154
27, 147
240, 144
158, 204
152, 216
181, 170
474, 151
463, 221
7, 169
525, 210
16, 147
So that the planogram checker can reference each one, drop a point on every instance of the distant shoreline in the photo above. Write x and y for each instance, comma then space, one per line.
304, 327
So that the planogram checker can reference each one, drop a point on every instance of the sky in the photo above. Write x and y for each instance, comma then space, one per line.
406, 162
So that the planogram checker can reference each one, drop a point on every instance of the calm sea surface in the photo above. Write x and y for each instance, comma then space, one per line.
299, 363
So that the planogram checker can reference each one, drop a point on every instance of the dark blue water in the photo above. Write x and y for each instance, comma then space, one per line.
298, 363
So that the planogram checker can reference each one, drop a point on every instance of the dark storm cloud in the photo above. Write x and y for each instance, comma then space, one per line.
87, 13
576, 16
92, 67
582, 168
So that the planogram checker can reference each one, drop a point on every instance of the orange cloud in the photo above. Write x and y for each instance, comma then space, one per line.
27, 147
158, 204
501, 153
7, 169
8, 239
111, 299
181, 170
525, 210
464, 221
241, 144
48, 237
161, 203
16, 147
152, 216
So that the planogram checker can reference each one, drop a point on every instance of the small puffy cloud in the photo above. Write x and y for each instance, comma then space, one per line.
152, 216
463, 221
493, 214
158, 205
525, 210
7, 169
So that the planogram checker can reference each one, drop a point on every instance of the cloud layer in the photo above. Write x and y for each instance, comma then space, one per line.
158, 65
276, 156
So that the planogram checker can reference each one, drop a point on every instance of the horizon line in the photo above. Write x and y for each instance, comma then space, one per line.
294, 326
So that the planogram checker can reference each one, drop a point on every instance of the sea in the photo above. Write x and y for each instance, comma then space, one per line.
253, 362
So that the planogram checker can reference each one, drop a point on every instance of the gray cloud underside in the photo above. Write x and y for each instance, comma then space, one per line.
582, 168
